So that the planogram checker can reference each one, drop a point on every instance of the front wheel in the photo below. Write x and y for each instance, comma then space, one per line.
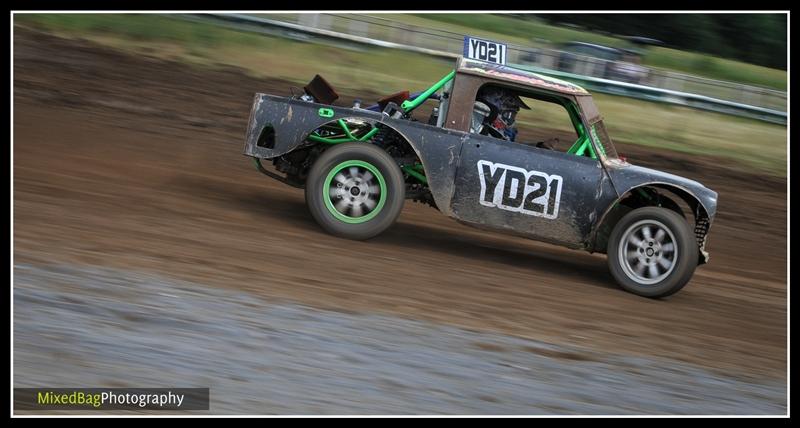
355, 190
652, 252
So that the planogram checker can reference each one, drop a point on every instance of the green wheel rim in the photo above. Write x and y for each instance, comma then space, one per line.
345, 202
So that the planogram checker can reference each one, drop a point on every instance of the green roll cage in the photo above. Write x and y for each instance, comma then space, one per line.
582, 147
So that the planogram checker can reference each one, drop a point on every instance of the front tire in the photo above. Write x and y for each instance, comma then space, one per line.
355, 191
652, 252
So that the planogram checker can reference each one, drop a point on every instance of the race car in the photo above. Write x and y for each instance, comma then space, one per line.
359, 164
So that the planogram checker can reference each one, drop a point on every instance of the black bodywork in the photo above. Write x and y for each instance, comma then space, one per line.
461, 169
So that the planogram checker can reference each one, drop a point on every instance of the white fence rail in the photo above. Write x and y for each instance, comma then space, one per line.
657, 85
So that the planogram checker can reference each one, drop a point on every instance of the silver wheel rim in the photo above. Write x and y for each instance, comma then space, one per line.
648, 252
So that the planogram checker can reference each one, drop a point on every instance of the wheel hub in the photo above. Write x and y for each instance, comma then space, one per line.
648, 252
355, 191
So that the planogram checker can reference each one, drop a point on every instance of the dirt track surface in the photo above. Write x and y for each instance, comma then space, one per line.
259, 357
134, 163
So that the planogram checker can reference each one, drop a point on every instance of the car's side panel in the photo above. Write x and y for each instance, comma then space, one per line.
439, 149
542, 194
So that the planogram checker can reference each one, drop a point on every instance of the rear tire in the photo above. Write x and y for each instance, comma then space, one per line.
652, 252
355, 191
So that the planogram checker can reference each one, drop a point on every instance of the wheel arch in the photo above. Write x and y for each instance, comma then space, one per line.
438, 150
656, 193
406, 141
297, 158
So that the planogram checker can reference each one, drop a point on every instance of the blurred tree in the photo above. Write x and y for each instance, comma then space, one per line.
754, 38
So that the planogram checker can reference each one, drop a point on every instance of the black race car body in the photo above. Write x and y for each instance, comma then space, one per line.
571, 198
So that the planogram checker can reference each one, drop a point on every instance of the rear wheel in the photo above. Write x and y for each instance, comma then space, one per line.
355, 190
652, 252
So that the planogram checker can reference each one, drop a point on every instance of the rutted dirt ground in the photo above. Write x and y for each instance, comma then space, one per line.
134, 163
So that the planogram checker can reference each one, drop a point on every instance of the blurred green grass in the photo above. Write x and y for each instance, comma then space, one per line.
534, 32
206, 44
356, 68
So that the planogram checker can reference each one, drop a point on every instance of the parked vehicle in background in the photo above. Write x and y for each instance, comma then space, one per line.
623, 65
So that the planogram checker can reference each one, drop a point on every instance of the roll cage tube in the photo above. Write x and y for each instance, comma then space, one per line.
416, 170
348, 135
583, 144
410, 105
407, 106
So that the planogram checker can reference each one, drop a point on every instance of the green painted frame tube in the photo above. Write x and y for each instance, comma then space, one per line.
409, 105
586, 145
582, 143
575, 146
592, 153
412, 172
581, 149
367, 136
346, 129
